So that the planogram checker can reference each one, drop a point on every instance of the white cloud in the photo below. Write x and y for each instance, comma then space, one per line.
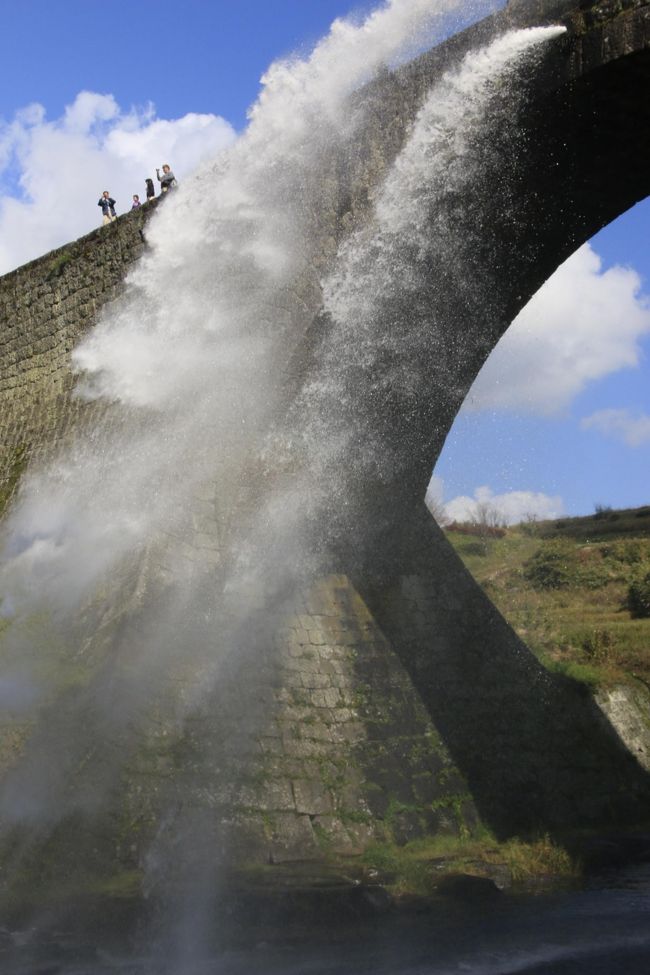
581, 325
513, 506
87, 109
53, 172
620, 425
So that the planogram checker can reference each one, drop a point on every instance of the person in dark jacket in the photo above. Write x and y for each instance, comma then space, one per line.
167, 180
151, 191
107, 203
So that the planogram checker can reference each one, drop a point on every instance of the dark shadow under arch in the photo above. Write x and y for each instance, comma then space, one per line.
535, 749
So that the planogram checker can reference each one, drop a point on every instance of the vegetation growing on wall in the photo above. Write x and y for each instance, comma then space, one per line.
59, 264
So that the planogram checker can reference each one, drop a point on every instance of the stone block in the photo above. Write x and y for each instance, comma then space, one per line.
360, 836
318, 637
327, 698
350, 733
316, 730
303, 664
242, 839
333, 835
315, 681
267, 795
311, 797
292, 839
306, 748
271, 746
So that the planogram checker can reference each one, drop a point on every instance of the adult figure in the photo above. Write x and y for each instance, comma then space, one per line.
167, 180
107, 203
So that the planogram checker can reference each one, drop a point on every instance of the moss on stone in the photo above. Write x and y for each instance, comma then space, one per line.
58, 265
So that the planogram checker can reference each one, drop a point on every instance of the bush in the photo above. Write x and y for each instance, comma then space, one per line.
596, 644
552, 566
638, 597
592, 576
602, 511
626, 552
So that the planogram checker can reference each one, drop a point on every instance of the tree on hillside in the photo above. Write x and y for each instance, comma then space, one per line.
437, 508
488, 521
434, 502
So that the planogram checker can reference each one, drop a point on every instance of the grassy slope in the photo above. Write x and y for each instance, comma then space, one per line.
581, 626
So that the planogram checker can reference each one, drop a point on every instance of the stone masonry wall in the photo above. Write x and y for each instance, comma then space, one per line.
318, 741
311, 744
45, 308
316, 745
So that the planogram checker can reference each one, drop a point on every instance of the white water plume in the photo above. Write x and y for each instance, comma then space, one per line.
197, 354
209, 320
402, 280
200, 360
438, 163
195, 360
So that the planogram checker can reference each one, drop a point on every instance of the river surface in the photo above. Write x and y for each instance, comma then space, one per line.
603, 929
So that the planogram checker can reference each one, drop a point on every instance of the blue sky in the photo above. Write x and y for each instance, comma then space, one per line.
192, 55
593, 446
173, 81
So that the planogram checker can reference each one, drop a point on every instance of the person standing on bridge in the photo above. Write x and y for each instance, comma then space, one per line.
107, 203
167, 180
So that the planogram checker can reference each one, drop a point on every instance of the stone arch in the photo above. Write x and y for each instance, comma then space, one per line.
583, 158
534, 749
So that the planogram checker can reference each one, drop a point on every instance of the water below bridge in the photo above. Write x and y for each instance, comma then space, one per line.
601, 929
246, 456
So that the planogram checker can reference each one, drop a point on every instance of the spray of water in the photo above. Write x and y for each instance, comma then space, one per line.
211, 314
196, 362
401, 290
214, 468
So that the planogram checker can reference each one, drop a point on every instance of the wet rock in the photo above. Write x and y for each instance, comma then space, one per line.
293, 838
466, 887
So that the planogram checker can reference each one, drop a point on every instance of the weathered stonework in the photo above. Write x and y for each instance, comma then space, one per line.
628, 709
317, 746
45, 308
393, 701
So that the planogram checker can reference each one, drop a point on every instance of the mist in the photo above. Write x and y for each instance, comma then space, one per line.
236, 376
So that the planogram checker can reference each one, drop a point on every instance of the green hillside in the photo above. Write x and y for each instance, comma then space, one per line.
577, 590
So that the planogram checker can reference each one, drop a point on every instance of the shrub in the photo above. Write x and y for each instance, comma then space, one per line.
530, 528
592, 575
602, 511
638, 597
596, 645
473, 548
626, 552
552, 566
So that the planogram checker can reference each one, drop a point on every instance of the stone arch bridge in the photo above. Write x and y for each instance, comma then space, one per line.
396, 700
